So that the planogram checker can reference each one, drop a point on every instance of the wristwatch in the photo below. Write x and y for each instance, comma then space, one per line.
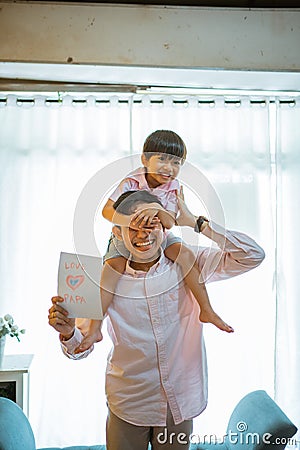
199, 222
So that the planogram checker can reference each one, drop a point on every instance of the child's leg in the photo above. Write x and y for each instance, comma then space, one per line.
177, 252
111, 272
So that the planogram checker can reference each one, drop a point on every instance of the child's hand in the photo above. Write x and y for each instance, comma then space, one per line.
146, 217
137, 226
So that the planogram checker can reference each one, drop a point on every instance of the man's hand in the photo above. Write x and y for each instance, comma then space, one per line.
58, 319
185, 218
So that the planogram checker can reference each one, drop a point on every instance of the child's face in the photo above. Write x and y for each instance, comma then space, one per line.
161, 168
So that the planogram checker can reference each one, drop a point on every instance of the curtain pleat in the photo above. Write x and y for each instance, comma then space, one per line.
287, 362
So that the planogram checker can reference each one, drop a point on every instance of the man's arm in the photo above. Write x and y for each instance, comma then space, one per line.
237, 253
70, 346
70, 330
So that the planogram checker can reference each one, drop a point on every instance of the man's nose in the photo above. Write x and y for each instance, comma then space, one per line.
142, 233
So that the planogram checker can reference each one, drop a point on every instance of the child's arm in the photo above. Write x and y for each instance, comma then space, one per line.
116, 218
167, 218
109, 213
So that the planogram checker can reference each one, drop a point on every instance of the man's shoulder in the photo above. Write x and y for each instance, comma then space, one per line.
200, 253
168, 264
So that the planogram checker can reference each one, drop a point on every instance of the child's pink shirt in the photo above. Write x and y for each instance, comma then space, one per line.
136, 181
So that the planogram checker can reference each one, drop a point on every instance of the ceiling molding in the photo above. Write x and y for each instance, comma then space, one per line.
278, 4
64, 77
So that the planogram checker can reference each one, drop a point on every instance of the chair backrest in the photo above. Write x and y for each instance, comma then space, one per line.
15, 429
256, 422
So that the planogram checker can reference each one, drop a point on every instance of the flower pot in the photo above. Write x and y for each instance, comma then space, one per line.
2, 346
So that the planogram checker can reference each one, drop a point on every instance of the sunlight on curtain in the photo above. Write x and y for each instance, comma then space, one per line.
287, 387
48, 153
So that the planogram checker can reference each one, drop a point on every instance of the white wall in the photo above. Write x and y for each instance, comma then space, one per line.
150, 36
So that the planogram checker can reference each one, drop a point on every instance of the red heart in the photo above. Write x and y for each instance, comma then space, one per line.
74, 282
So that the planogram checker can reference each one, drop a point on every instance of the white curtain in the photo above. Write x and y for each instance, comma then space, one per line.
50, 150
287, 265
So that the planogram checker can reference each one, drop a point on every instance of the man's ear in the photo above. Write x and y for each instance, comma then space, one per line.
117, 232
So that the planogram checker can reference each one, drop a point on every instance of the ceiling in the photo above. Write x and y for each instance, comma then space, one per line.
19, 74
201, 3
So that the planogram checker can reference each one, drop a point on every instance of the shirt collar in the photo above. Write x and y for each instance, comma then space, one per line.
138, 175
135, 273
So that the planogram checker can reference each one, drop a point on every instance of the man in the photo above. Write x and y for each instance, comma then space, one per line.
156, 376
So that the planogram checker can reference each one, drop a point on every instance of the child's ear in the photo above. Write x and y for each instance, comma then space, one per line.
117, 232
144, 160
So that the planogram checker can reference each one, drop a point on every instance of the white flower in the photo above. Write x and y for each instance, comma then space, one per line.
9, 318
7, 326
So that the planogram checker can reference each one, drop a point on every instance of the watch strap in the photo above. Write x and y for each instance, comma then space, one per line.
199, 222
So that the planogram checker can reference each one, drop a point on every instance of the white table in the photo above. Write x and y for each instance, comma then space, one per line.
14, 379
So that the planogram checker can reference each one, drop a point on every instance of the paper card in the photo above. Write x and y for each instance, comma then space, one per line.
78, 285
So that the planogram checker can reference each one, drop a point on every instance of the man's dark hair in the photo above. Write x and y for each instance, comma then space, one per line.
128, 201
164, 141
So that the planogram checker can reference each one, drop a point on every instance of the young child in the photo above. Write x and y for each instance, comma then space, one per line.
163, 154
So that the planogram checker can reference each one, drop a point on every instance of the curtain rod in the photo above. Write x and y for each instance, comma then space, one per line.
98, 101
49, 86
11, 84
30, 87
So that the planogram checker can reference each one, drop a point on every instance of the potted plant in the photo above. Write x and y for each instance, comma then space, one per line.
8, 327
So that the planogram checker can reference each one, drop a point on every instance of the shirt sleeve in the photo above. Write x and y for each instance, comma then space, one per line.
172, 204
128, 184
171, 198
237, 253
68, 347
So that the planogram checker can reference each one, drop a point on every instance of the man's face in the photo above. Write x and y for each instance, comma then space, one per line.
144, 245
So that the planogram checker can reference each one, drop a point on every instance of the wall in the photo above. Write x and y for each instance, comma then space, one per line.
150, 36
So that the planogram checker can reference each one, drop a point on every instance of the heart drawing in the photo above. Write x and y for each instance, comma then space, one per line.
74, 282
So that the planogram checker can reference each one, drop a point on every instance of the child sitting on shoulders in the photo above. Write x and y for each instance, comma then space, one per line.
164, 152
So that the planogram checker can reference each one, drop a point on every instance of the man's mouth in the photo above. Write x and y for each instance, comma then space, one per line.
144, 244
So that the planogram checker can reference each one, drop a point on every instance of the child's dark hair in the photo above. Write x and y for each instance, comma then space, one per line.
164, 141
127, 202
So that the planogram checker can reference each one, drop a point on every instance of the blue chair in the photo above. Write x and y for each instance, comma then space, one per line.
256, 423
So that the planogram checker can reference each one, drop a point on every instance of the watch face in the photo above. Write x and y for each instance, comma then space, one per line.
200, 221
